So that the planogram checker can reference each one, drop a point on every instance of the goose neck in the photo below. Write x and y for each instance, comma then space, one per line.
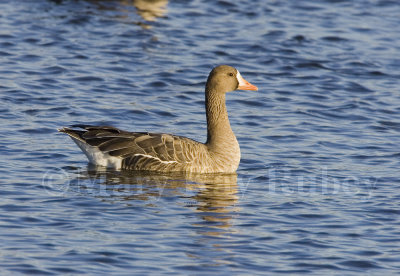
219, 131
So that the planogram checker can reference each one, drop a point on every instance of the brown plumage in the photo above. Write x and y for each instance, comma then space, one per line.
111, 147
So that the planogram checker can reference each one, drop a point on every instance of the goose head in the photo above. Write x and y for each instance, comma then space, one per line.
224, 78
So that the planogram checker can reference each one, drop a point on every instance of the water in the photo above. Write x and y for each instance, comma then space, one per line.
317, 188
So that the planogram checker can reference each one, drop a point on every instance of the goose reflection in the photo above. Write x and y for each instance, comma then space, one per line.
148, 10
216, 203
213, 197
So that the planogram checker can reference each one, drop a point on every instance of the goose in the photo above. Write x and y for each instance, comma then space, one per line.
143, 151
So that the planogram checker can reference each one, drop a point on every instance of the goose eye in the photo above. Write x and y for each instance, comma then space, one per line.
230, 74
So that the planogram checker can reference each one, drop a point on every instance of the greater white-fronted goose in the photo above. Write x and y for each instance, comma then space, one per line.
119, 149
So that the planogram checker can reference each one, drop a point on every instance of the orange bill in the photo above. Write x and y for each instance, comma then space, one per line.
244, 84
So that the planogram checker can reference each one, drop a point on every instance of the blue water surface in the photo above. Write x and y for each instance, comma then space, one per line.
316, 193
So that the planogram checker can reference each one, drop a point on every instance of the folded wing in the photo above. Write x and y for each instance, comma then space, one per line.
136, 150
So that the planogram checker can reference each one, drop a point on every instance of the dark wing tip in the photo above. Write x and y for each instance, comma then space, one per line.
88, 127
75, 134
92, 127
67, 129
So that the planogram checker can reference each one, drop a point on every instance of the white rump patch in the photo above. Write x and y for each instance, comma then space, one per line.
97, 157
